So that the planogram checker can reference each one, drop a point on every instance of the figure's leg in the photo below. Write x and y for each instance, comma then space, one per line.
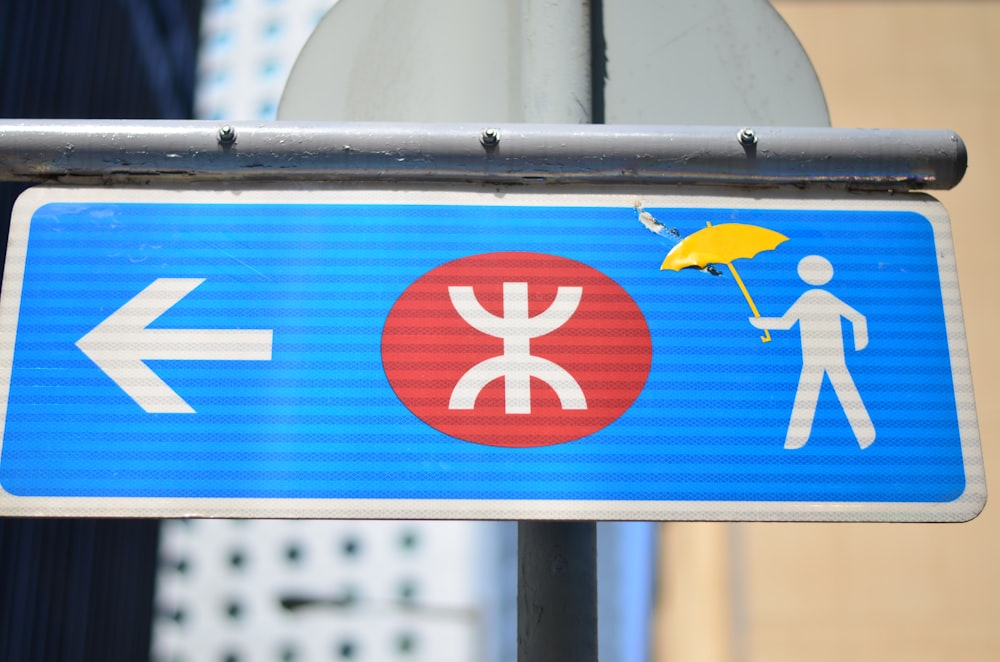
850, 400
804, 409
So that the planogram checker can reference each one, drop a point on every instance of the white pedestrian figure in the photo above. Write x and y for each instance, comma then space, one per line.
818, 314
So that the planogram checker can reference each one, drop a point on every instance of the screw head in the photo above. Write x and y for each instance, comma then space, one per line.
747, 136
227, 135
490, 137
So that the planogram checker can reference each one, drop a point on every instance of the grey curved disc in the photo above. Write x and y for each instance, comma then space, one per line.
668, 62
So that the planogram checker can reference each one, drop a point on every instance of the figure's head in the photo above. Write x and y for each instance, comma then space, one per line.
815, 270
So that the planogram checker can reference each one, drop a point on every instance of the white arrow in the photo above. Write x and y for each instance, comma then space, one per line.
121, 343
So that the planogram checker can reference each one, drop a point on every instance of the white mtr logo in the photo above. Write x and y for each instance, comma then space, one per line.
516, 365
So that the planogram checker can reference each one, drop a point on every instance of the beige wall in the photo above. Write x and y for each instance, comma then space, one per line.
775, 592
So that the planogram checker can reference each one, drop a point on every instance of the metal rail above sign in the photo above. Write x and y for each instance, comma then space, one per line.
144, 152
484, 352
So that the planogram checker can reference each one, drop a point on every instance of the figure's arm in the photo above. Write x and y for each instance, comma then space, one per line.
773, 323
860, 325
782, 323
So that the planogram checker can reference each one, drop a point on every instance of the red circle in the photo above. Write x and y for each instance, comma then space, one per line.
604, 345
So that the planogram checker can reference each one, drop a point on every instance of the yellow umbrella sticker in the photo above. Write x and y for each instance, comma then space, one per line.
721, 244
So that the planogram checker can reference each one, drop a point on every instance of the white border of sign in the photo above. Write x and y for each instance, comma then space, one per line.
964, 508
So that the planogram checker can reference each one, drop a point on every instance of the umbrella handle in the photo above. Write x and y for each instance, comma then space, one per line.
753, 307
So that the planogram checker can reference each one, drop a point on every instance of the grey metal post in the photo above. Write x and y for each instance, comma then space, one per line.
557, 591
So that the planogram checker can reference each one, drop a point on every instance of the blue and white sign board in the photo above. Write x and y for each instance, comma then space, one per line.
484, 354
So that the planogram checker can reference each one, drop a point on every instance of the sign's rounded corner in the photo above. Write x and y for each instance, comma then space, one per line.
975, 504
31, 199
6, 495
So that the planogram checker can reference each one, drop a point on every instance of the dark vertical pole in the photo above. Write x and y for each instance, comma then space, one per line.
557, 591
598, 61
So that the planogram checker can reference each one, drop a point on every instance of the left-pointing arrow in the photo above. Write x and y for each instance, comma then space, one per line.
121, 343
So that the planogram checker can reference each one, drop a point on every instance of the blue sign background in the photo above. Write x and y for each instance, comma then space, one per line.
320, 419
